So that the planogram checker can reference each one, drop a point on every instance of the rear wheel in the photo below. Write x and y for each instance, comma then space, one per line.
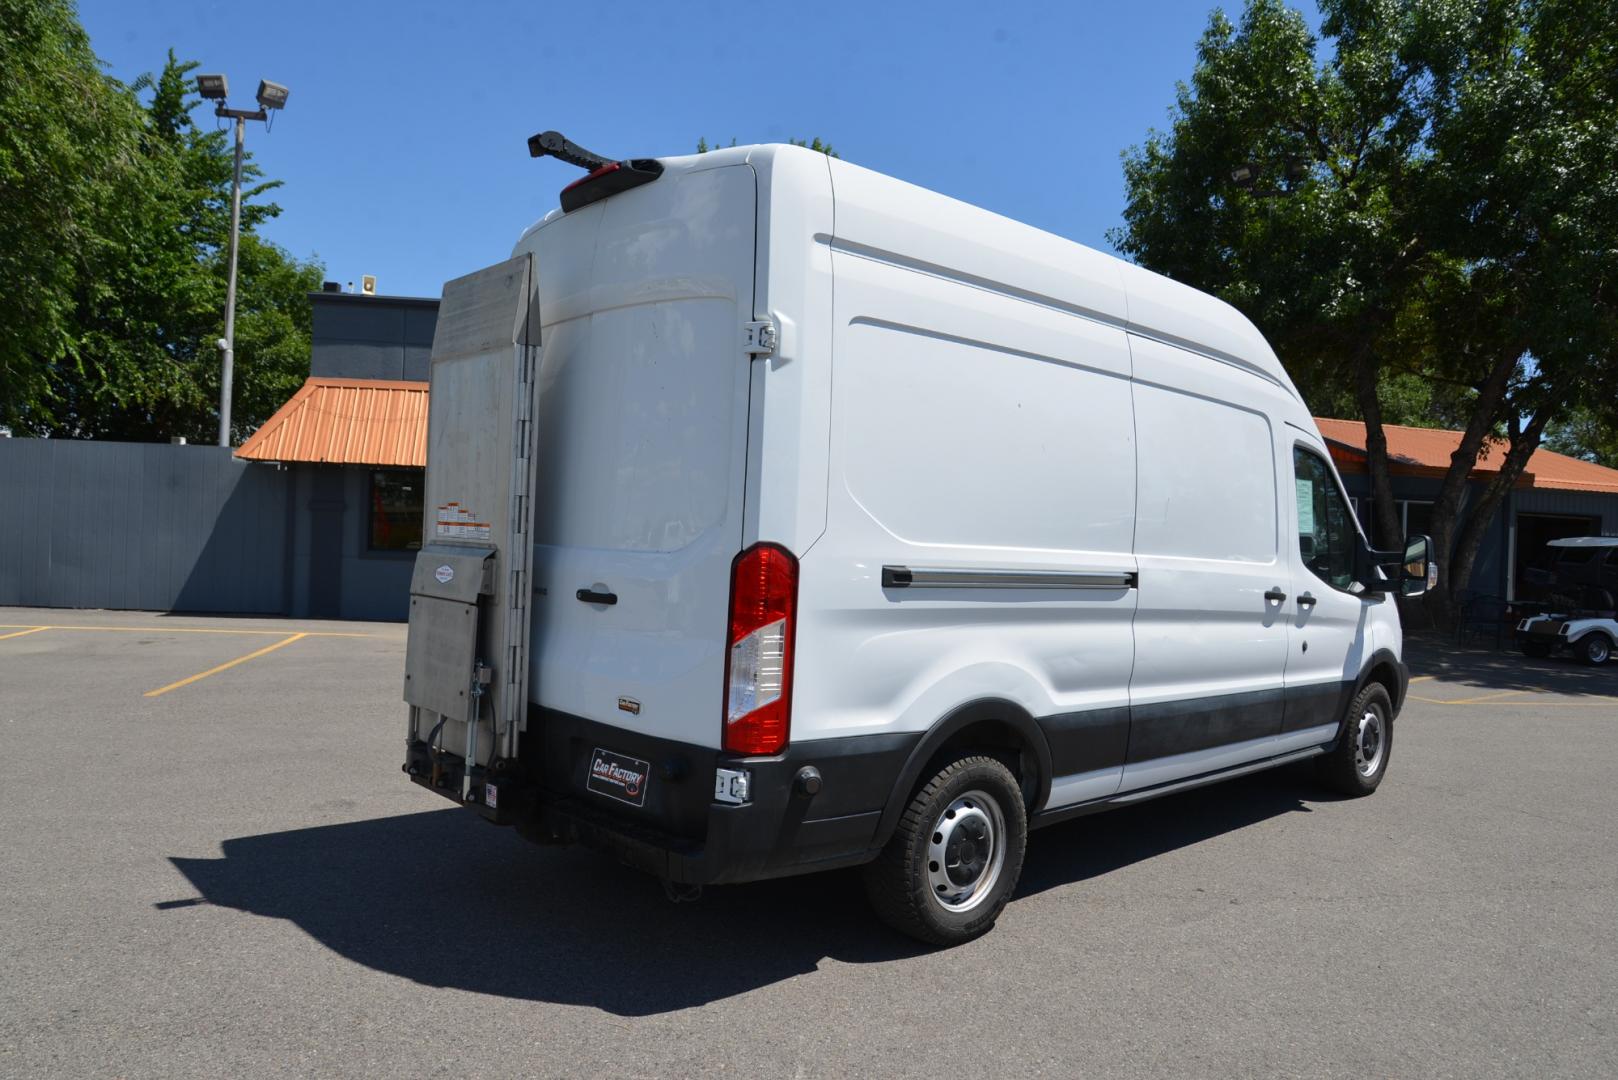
1539, 650
955, 856
1360, 760
1593, 648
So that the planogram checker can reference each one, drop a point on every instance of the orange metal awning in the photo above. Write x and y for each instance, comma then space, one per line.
1426, 452
346, 422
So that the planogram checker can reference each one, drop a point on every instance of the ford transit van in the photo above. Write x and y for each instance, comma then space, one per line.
785, 516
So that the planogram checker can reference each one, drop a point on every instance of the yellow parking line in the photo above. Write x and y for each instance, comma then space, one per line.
1498, 699
1484, 700
225, 666
1487, 697
189, 630
1423, 678
24, 633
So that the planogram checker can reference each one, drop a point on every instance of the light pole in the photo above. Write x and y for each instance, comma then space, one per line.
270, 96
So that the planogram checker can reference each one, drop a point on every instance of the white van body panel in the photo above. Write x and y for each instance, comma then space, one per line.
642, 448
1210, 648
925, 351
951, 393
790, 419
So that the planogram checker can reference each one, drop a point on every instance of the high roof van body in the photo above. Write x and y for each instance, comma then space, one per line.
864, 526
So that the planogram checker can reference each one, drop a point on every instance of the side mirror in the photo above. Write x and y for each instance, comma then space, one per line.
1418, 572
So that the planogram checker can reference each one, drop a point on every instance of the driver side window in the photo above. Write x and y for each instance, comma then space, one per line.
1325, 523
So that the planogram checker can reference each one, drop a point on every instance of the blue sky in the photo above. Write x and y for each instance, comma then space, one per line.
402, 145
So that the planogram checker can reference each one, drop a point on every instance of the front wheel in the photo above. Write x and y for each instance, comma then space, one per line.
1593, 648
1360, 760
955, 856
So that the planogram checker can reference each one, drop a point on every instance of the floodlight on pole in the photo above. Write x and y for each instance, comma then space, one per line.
213, 87
270, 96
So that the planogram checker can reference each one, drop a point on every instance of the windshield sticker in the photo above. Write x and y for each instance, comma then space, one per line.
1306, 507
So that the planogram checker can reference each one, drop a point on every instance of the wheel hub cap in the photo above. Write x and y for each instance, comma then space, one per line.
966, 851
1369, 742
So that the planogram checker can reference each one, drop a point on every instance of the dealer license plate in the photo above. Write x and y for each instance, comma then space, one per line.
618, 776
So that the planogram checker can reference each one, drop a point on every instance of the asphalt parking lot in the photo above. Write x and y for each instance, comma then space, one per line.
212, 866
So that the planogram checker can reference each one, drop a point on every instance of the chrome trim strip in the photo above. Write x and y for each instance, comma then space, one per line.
1234, 771
943, 577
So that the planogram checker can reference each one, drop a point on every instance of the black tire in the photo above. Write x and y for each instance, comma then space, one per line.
1356, 766
1539, 650
901, 881
1594, 648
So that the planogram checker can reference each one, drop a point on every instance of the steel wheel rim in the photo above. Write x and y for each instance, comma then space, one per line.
1597, 650
1370, 743
966, 851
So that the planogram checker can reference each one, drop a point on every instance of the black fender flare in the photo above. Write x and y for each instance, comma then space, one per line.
1401, 676
1401, 683
953, 723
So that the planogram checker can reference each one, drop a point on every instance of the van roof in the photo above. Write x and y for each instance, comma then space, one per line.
989, 250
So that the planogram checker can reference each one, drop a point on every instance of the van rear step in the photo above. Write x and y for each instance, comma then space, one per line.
497, 792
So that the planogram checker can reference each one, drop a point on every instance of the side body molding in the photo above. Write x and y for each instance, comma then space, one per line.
1032, 734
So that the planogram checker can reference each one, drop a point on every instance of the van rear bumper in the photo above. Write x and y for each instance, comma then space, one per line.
681, 833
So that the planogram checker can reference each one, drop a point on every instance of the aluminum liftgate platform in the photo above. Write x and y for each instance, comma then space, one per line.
466, 661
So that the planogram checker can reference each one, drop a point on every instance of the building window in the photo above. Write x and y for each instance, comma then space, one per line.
396, 510
1417, 517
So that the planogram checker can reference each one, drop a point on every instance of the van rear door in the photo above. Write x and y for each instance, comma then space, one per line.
641, 453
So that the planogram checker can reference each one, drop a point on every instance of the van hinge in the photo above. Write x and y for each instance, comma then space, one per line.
758, 338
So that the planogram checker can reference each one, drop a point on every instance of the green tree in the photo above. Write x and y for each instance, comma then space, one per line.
114, 213
1414, 219
1587, 434
146, 366
69, 141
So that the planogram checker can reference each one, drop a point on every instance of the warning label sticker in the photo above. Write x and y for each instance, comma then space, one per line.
456, 522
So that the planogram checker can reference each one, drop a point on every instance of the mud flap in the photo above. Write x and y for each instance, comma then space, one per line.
466, 661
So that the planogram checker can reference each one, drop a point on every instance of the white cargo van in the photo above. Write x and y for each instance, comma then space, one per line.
785, 516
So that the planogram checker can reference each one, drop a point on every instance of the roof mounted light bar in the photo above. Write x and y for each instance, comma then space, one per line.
607, 177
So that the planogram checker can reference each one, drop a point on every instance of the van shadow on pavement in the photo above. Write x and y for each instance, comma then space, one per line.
444, 899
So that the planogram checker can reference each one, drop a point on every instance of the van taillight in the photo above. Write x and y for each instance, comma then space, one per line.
758, 665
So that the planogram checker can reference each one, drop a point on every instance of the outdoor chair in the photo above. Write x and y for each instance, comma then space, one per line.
1482, 614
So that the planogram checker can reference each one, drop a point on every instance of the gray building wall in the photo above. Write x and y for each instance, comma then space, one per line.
331, 568
332, 573
140, 525
153, 527
150, 526
371, 337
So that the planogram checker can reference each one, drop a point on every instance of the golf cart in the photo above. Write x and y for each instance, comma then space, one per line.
1581, 614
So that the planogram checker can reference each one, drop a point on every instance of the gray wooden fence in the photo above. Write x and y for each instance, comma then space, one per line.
143, 526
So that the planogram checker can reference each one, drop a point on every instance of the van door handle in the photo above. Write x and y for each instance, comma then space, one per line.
1306, 600
590, 596
1274, 594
